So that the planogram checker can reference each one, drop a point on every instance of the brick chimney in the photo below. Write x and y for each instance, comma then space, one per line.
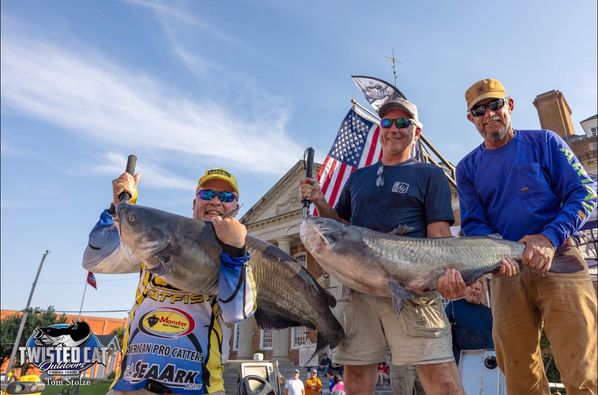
554, 113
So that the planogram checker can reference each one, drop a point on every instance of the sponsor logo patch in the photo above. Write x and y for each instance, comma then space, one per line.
167, 322
400, 187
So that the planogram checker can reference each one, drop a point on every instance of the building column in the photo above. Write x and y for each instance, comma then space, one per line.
245, 350
280, 338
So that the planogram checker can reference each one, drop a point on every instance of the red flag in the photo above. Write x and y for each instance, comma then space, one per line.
91, 280
357, 145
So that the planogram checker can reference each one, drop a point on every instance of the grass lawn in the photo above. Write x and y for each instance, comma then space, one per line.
93, 389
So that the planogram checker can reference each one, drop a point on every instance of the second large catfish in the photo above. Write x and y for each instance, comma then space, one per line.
386, 265
185, 252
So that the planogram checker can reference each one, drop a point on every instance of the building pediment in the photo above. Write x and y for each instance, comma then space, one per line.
281, 201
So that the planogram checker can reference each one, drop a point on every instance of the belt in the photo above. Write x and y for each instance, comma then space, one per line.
157, 388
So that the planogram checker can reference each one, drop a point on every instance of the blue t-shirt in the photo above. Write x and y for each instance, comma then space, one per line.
414, 194
534, 184
471, 326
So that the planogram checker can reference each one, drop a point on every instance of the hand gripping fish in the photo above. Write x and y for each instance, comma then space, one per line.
398, 267
185, 252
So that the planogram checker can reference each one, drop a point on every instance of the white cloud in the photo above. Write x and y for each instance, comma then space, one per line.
87, 94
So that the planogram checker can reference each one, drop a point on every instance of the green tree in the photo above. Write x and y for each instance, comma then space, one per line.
120, 333
9, 327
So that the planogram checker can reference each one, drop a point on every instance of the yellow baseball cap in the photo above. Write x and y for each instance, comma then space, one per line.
484, 89
218, 174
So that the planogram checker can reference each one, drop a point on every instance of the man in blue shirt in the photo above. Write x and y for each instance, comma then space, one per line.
527, 185
397, 190
471, 321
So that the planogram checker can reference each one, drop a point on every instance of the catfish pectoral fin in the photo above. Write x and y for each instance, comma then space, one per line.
399, 293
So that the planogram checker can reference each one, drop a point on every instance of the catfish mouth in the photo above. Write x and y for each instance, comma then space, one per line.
316, 234
146, 241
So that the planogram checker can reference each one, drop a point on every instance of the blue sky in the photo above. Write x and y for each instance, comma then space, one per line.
187, 85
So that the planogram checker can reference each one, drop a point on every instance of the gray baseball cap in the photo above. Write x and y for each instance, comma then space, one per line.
402, 104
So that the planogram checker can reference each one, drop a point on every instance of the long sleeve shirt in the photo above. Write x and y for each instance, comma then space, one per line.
532, 185
177, 338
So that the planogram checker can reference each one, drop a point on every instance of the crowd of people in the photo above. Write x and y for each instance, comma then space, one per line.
520, 185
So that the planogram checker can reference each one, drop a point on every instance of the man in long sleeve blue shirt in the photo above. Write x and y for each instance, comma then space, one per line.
176, 340
527, 185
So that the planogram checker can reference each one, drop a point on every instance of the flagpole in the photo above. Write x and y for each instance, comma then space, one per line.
82, 299
355, 102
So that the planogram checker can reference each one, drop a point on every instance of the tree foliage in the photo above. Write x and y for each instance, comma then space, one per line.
119, 333
9, 327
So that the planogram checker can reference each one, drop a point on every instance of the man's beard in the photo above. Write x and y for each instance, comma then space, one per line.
496, 135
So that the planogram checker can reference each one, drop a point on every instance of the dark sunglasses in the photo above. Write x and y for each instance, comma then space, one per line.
399, 122
208, 194
494, 105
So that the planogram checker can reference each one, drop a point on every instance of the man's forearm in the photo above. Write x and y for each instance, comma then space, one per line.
324, 210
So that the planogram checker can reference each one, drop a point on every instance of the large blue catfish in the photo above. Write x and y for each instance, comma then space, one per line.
185, 252
398, 267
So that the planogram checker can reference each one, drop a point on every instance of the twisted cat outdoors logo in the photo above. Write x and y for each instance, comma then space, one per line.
64, 349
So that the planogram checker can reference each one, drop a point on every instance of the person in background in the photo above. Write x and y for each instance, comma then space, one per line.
528, 186
404, 380
313, 385
471, 321
330, 379
383, 372
339, 385
294, 385
324, 364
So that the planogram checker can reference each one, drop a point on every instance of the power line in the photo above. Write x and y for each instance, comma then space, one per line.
92, 311
85, 311
81, 282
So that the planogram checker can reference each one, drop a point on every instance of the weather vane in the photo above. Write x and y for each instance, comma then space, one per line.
394, 61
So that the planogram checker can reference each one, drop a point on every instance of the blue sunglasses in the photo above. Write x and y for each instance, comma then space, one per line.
399, 122
208, 194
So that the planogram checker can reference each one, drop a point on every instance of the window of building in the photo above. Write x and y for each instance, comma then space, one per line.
266, 339
301, 258
236, 334
594, 131
298, 336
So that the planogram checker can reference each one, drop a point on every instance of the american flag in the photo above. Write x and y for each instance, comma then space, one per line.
91, 280
356, 145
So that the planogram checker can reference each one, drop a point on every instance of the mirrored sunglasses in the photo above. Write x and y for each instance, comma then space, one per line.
399, 122
494, 105
208, 194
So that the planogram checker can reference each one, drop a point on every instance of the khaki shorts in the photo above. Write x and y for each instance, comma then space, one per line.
420, 335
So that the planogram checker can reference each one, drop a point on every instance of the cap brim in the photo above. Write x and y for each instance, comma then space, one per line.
386, 107
489, 95
217, 177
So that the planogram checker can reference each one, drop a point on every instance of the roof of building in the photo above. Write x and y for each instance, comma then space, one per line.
106, 340
590, 118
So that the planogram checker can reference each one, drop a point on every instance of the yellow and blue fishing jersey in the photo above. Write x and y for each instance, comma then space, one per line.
176, 338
